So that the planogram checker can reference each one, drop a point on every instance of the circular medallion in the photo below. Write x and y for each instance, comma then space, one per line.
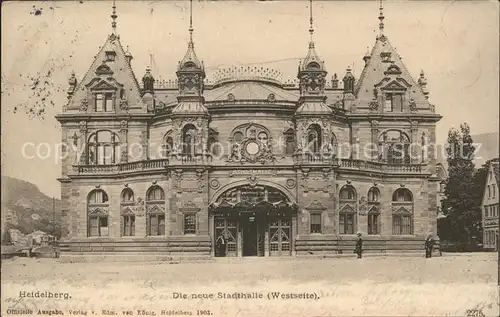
214, 183
290, 183
252, 148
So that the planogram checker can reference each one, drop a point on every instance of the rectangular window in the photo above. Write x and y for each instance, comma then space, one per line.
486, 211
402, 225
397, 101
190, 224
315, 223
489, 191
388, 106
373, 224
98, 226
493, 190
156, 225
128, 225
99, 103
108, 102
346, 224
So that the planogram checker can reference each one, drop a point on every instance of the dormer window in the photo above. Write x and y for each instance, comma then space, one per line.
393, 102
110, 56
104, 102
386, 57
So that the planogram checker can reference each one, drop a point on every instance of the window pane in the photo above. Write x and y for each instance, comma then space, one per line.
100, 155
398, 102
109, 103
93, 227
342, 224
103, 226
161, 225
315, 223
153, 225
132, 225
350, 224
238, 136
99, 103
388, 103
190, 224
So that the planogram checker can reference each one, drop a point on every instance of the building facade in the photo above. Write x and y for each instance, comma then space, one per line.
276, 168
490, 207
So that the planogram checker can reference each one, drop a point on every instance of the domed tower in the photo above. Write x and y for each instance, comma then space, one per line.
190, 117
312, 114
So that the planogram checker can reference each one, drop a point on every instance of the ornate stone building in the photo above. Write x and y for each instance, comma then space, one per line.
277, 168
491, 207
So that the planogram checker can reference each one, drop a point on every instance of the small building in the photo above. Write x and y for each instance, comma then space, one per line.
490, 207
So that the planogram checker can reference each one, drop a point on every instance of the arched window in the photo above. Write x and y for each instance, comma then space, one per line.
127, 220
334, 144
402, 216
188, 139
97, 213
168, 144
347, 192
347, 214
214, 146
394, 147
103, 148
402, 194
373, 194
314, 138
155, 206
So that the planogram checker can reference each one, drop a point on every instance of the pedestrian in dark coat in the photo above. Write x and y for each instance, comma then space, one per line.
220, 246
429, 245
359, 246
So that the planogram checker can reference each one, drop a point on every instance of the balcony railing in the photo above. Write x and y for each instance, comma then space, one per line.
308, 158
121, 168
190, 159
380, 167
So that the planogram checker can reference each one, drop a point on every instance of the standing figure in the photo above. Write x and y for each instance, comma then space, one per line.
220, 246
359, 246
429, 245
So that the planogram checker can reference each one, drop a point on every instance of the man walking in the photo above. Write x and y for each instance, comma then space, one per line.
359, 246
429, 245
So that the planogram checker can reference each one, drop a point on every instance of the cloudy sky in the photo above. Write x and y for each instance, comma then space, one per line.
455, 43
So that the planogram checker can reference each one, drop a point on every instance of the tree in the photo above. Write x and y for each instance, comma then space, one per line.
462, 204
6, 238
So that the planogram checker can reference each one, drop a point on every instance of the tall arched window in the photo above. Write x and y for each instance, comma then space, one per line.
334, 144
168, 144
402, 212
188, 139
97, 213
373, 211
155, 204
347, 214
289, 136
127, 213
103, 148
214, 146
394, 147
314, 138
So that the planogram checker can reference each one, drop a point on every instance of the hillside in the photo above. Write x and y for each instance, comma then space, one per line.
31, 209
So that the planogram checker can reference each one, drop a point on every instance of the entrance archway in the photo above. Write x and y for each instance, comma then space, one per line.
253, 220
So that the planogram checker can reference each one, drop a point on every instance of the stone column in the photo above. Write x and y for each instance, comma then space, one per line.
266, 243
414, 142
239, 243
374, 139
292, 235
83, 141
123, 140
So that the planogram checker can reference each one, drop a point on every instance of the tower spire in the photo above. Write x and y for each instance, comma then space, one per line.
311, 28
381, 19
191, 44
114, 16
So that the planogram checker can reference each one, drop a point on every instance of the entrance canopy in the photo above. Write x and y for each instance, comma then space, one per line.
253, 199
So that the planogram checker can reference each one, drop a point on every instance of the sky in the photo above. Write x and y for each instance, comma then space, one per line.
456, 43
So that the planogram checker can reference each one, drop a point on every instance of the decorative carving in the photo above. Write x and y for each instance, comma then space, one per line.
375, 93
374, 124
123, 104
432, 108
214, 184
373, 106
189, 206
75, 139
312, 83
290, 183
84, 105
413, 105
103, 69
316, 205
393, 70
252, 180
271, 97
83, 126
363, 206
123, 125
178, 179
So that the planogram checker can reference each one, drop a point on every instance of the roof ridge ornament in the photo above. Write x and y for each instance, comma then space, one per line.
113, 17
311, 28
381, 18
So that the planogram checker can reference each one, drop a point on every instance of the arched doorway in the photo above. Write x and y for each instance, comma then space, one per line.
253, 220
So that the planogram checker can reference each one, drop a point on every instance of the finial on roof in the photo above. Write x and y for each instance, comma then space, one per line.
311, 28
114, 16
381, 19
191, 44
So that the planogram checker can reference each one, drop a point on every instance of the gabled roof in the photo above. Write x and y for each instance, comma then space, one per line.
313, 108
119, 69
495, 165
376, 70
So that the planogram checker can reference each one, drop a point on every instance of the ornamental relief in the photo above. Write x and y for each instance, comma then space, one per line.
190, 82
348, 207
312, 83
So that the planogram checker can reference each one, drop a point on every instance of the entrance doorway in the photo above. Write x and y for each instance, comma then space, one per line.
253, 232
